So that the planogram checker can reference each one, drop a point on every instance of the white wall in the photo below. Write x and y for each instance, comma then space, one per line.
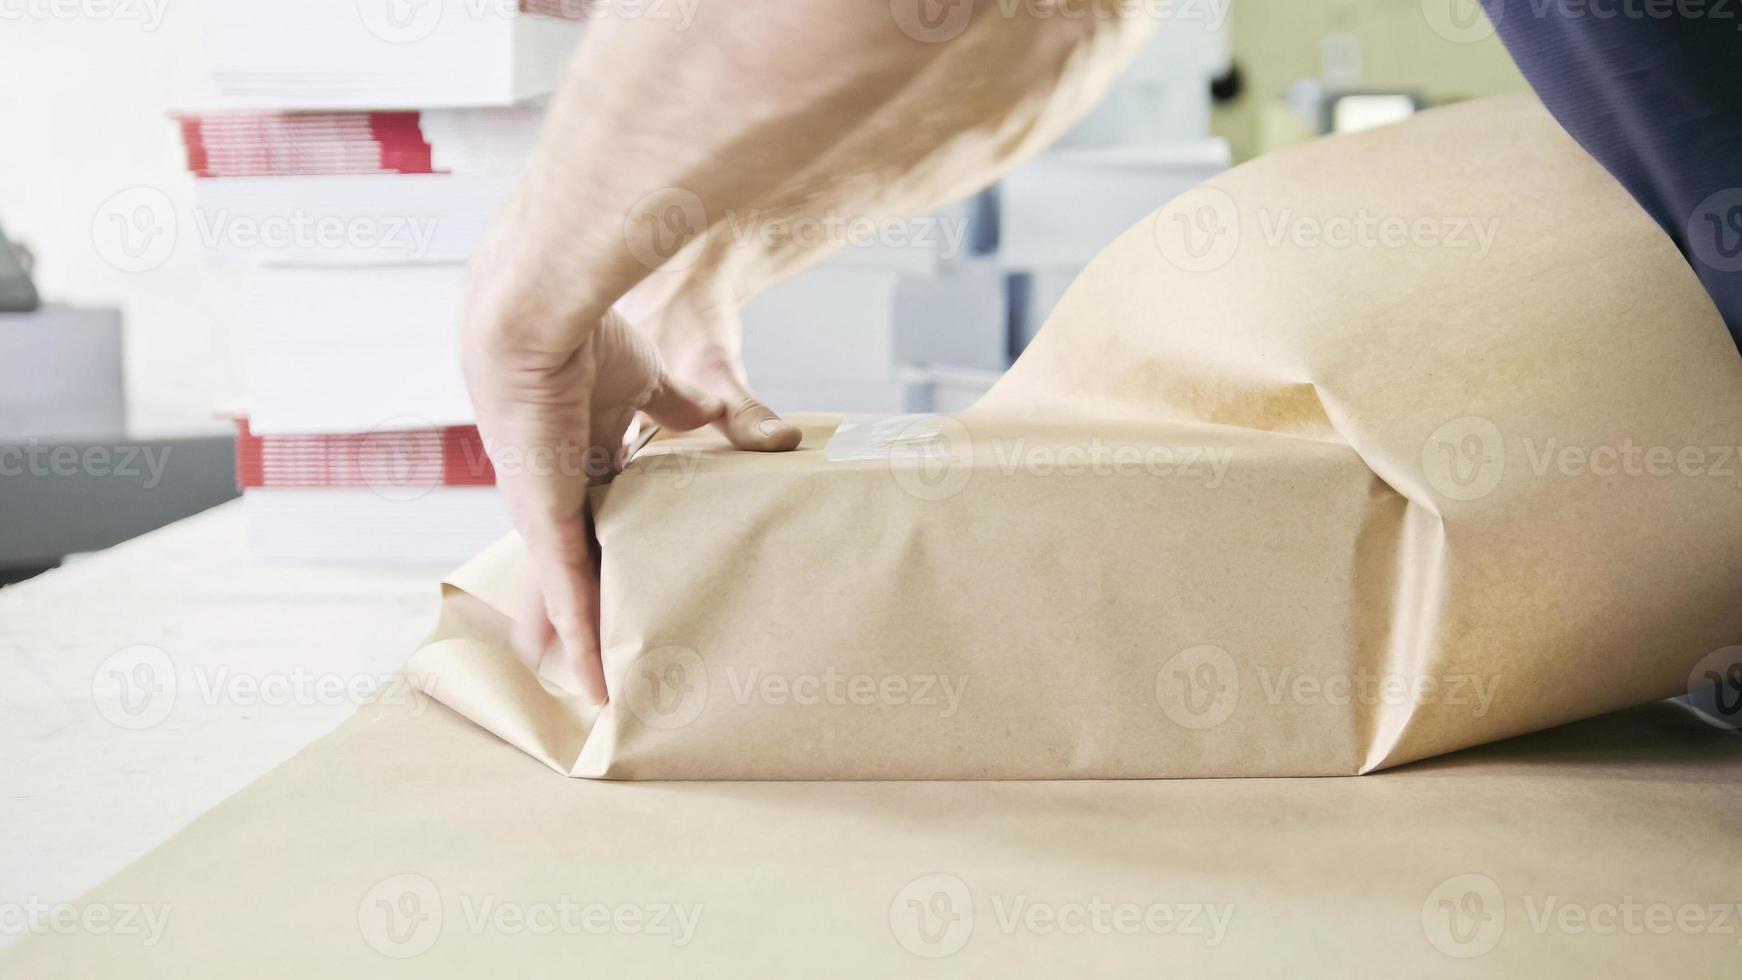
1277, 42
86, 87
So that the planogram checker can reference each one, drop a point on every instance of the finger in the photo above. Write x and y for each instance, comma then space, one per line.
568, 579
680, 407
532, 635
751, 425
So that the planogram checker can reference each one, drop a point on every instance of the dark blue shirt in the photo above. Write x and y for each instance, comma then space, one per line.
1653, 90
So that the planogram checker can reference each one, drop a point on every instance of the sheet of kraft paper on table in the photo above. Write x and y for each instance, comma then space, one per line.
410, 844
1252, 504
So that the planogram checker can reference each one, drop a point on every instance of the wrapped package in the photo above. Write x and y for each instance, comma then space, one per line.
1371, 450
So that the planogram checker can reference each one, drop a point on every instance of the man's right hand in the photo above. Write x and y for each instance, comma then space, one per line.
803, 115
555, 422
701, 343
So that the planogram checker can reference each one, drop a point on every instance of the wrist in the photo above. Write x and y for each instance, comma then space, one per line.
511, 305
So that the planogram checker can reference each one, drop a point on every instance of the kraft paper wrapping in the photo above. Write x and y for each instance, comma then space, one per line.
1379, 448
406, 845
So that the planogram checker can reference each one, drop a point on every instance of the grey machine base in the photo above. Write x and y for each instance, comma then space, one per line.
59, 497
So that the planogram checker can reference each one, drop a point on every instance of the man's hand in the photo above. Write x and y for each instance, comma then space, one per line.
701, 339
802, 112
554, 422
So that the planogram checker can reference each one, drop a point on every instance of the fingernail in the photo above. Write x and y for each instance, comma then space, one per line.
771, 427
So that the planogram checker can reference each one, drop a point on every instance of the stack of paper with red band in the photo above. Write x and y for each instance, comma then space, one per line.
356, 154
451, 456
257, 144
250, 143
386, 54
416, 494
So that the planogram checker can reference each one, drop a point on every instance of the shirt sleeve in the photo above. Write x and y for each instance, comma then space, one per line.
1653, 90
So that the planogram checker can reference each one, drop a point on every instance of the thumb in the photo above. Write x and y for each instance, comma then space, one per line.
748, 423
751, 425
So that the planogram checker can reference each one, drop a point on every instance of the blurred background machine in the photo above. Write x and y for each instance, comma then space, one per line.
71, 478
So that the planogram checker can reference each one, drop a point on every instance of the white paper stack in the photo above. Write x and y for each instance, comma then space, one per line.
340, 349
439, 526
372, 350
383, 54
482, 141
355, 280
369, 219
364, 149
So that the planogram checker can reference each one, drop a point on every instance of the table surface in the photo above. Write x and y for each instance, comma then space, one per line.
142, 685
148, 683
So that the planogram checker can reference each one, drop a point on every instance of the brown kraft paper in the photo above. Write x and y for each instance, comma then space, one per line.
1374, 449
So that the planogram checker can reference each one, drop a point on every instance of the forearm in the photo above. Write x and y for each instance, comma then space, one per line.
795, 108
